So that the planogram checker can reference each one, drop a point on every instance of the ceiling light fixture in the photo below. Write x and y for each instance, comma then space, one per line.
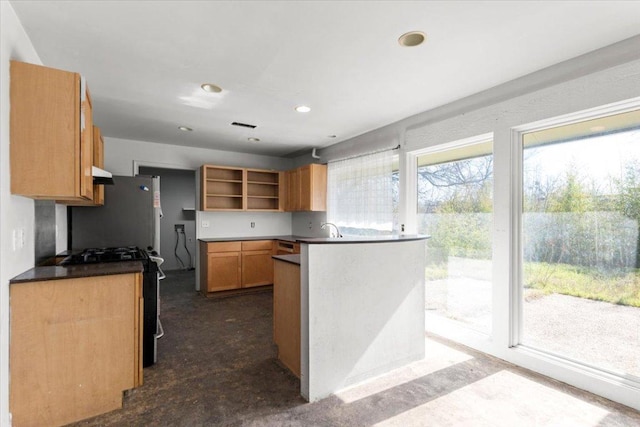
412, 38
303, 109
253, 139
185, 128
211, 88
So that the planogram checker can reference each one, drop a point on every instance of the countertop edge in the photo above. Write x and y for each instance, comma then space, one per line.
291, 259
56, 272
322, 240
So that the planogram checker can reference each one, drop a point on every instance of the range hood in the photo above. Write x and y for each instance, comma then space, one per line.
101, 176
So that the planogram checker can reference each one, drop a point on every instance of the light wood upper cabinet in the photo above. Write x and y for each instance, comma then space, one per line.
238, 189
293, 191
264, 190
51, 134
221, 188
98, 161
307, 188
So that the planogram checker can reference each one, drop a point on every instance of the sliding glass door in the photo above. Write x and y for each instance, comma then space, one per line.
581, 242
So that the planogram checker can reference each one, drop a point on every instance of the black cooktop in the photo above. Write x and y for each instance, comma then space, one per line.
97, 255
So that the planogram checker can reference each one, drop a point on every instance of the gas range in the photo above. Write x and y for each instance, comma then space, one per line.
98, 255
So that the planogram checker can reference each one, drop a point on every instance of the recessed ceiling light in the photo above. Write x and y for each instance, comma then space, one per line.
597, 128
412, 38
211, 88
185, 128
253, 139
303, 109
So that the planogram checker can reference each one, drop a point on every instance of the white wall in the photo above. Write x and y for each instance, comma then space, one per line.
121, 156
308, 224
599, 78
16, 213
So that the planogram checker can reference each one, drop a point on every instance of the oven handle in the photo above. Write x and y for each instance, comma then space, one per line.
161, 274
160, 329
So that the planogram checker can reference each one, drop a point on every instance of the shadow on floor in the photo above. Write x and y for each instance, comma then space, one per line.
217, 366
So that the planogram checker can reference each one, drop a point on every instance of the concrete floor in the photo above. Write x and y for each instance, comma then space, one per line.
217, 367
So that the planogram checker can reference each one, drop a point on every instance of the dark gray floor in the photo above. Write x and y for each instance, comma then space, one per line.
217, 367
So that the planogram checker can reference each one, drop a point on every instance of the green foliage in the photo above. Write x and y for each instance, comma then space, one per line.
622, 289
629, 190
572, 196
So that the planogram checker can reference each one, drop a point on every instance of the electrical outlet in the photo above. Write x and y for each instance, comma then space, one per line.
179, 227
205, 224
310, 225
253, 224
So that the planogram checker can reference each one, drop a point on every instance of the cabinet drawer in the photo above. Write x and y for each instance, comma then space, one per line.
223, 246
257, 245
285, 247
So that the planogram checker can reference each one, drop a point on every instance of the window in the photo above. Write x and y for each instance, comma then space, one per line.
361, 194
455, 207
581, 242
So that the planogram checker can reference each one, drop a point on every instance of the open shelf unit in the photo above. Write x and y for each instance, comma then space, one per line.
263, 190
238, 189
222, 188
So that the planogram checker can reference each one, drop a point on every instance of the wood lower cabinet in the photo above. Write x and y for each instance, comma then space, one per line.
220, 264
75, 346
233, 265
257, 264
286, 313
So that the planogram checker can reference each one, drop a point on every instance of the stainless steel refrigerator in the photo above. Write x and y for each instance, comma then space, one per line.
130, 216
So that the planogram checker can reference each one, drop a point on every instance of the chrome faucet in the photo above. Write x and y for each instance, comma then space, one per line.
323, 225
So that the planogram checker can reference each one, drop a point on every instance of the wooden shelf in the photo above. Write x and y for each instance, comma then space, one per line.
225, 188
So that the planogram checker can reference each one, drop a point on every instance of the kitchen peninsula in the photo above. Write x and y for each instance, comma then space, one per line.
361, 308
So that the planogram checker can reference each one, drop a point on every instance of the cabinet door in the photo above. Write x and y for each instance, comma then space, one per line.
257, 268
313, 187
305, 188
223, 271
98, 160
86, 147
293, 190
45, 147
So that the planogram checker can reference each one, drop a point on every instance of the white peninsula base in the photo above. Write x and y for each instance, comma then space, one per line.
362, 311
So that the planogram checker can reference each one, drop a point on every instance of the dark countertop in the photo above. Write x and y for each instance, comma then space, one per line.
364, 239
292, 239
302, 239
292, 259
55, 272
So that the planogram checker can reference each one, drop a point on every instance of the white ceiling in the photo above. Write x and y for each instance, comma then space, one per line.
145, 61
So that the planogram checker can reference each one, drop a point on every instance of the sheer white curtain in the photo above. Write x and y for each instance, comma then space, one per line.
360, 194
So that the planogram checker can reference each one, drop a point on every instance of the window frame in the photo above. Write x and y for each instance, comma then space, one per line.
516, 303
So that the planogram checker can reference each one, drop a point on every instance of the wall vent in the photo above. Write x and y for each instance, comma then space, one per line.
244, 125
